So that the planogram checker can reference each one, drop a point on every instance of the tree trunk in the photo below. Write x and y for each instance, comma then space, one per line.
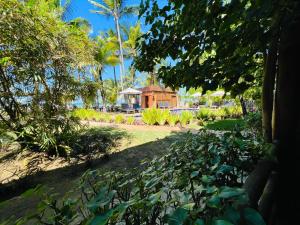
244, 108
268, 89
122, 68
288, 117
115, 77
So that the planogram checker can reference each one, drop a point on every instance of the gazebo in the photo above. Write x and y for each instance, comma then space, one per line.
131, 99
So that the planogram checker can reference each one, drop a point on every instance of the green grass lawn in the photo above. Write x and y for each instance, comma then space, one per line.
225, 125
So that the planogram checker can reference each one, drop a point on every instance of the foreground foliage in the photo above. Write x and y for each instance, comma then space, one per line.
197, 182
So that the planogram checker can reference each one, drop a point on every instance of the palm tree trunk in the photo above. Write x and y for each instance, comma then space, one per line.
115, 77
268, 90
122, 68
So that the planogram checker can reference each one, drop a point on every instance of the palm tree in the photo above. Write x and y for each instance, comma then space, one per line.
116, 9
105, 55
132, 34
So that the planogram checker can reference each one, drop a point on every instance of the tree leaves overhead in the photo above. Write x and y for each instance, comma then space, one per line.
207, 43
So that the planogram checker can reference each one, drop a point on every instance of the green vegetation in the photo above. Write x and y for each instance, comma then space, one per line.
220, 113
173, 119
119, 118
155, 116
130, 120
225, 125
208, 179
149, 116
185, 117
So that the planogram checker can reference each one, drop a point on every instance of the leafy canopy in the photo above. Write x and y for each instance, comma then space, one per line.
207, 43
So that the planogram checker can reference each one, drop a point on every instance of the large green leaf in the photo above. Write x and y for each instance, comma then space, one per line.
178, 217
253, 217
102, 219
229, 192
221, 222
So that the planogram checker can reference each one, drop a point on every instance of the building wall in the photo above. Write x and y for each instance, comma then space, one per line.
154, 97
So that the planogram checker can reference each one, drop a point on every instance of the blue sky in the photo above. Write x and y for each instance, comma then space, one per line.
81, 8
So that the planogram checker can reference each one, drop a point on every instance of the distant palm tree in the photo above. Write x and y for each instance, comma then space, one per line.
131, 35
105, 55
116, 9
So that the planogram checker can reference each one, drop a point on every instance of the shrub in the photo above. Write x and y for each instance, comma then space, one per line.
196, 182
119, 118
254, 122
172, 119
162, 116
185, 118
53, 137
149, 116
96, 140
86, 114
107, 118
130, 120
204, 114
233, 112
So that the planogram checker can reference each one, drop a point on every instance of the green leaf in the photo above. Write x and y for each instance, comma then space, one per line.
207, 179
232, 215
178, 217
154, 198
253, 217
194, 174
214, 202
4, 60
228, 192
102, 219
221, 222
199, 222
189, 206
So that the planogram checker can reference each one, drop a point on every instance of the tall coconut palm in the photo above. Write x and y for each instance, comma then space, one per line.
115, 9
131, 35
105, 55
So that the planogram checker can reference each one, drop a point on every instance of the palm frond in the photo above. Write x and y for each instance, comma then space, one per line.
110, 4
129, 10
101, 6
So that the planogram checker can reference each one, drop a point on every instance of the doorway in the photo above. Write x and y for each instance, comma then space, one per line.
146, 101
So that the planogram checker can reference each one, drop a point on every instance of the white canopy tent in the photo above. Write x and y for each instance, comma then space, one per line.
130, 91
130, 98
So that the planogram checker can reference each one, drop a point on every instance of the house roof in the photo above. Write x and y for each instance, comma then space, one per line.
156, 89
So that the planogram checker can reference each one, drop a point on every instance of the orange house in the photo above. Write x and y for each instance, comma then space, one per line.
158, 97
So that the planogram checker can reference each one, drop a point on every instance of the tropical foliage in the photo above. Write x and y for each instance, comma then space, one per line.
198, 181
37, 62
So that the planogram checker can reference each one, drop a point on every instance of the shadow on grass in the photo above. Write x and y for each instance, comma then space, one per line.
225, 125
62, 179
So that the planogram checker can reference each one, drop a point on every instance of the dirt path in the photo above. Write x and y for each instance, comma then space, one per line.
135, 127
62, 179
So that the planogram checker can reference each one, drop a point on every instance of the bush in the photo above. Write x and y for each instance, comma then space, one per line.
172, 119
95, 140
254, 122
185, 118
53, 137
204, 114
149, 116
130, 120
197, 182
233, 112
162, 116
107, 118
119, 118
87, 114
